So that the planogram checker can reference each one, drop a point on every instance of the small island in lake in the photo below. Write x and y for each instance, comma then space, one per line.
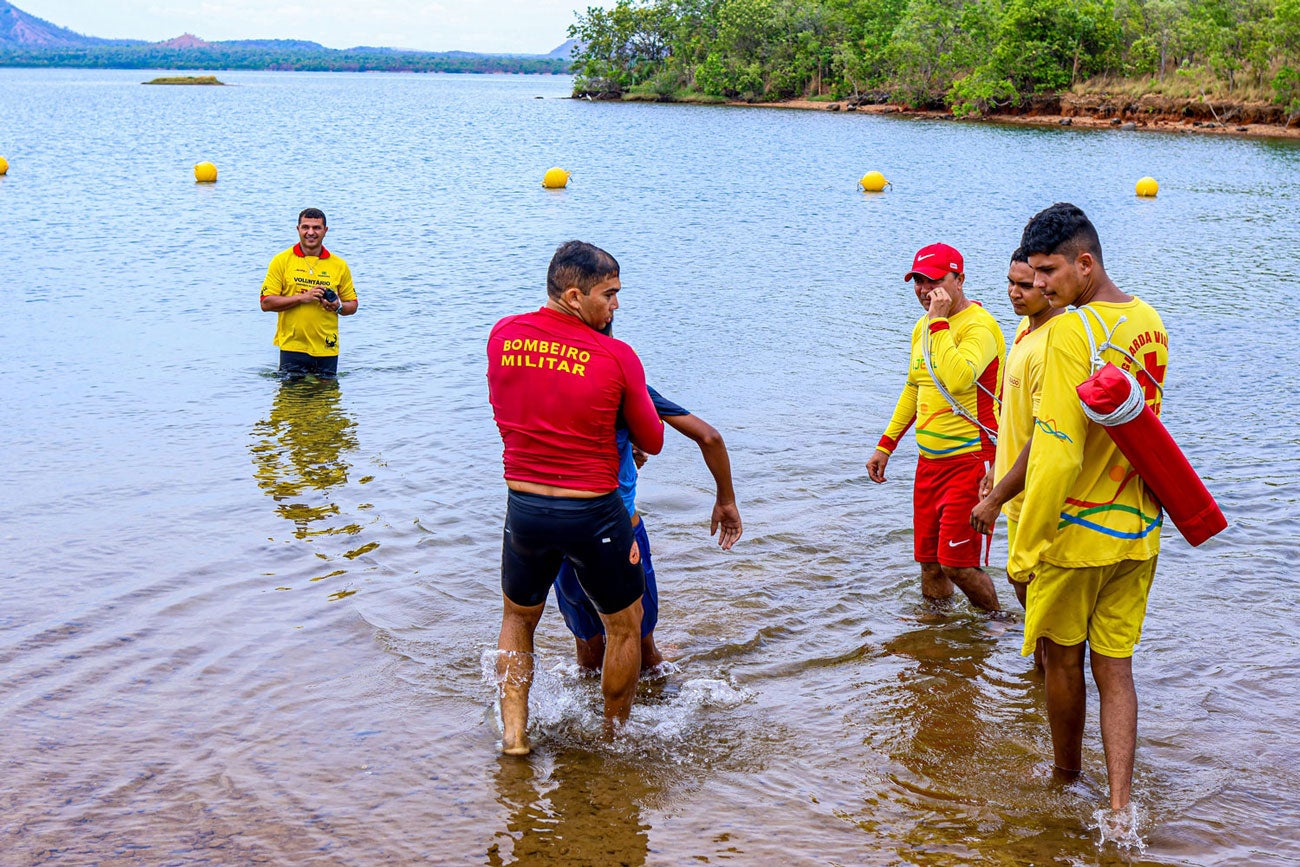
187, 79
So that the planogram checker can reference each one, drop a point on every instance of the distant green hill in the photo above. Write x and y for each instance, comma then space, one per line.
26, 40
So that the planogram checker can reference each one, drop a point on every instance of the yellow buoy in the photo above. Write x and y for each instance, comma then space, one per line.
555, 179
873, 182
1147, 188
205, 173
4, 165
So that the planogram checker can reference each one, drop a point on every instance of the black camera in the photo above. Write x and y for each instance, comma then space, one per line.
331, 296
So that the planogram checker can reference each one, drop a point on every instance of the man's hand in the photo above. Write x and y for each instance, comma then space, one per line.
876, 466
986, 483
639, 457
726, 516
985, 515
315, 293
940, 303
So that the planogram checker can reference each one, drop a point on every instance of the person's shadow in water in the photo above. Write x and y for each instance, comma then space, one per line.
300, 451
585, 810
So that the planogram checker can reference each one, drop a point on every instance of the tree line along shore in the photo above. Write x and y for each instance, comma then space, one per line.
1226, 65
287, 57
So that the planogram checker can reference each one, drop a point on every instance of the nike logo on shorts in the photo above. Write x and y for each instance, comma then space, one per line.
955, 544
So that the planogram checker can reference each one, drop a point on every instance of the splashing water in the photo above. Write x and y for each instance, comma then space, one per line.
1121, 827
565, 705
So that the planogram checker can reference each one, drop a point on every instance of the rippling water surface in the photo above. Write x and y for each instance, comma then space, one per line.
249, 622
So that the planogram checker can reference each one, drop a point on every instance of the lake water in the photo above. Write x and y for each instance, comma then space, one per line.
250, 622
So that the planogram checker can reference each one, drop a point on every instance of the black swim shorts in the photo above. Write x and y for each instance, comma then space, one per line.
300, 363
594, 535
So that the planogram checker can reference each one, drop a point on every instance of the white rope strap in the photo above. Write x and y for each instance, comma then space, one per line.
957, 408
1097, 348
1130, 409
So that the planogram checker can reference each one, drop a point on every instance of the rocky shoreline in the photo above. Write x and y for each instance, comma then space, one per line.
1148, 112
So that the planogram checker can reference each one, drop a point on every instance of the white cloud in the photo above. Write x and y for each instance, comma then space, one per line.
523, 26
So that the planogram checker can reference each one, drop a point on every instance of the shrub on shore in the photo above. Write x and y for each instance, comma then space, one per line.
969, 56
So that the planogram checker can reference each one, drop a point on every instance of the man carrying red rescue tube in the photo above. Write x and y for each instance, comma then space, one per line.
950, 393
558, 388
1089, 529
309, 288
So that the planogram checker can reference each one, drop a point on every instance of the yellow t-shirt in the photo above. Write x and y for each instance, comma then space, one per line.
1084, 503
1021, 385
308, 328
966, 350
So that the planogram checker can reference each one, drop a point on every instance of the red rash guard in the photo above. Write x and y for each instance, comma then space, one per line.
557, 387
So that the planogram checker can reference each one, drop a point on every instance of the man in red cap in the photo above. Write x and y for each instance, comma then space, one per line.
951, 394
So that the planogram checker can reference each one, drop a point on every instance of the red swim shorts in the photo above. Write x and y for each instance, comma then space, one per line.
946, 490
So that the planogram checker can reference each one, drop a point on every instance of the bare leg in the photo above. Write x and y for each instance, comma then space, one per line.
591, 653
515, 674
1067, 704
650, 655
933, 583
1119, 713
976, 584
622, 662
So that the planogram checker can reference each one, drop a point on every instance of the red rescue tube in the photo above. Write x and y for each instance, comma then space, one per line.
1147, 444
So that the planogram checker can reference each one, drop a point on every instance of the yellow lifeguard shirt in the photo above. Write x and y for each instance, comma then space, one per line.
966, 350
1084, 504
308, 328
1021, 384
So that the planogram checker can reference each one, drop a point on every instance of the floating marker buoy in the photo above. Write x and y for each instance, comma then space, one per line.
205, 173
1147, 188
873, 182
555, 179
4, 165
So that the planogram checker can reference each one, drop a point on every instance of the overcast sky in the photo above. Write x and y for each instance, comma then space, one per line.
518, 26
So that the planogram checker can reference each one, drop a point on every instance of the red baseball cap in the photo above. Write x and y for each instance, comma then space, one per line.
934, 261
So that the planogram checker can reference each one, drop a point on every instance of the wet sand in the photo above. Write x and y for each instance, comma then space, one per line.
1157, 124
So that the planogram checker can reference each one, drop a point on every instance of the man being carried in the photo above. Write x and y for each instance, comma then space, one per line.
1089, 530
557, 388
1002, 488
579, 615
309, 288
950, 393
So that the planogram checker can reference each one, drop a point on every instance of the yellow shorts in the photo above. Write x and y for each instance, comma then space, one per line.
1012, 524
1103, 605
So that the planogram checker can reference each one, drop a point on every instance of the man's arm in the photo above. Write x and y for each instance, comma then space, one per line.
985, 515
956, 365
644, 428
902, 419
274, 299
714, 450
276, 303
347, 294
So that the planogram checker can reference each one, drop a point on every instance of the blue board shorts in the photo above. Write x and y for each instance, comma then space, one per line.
595, 535
580, 615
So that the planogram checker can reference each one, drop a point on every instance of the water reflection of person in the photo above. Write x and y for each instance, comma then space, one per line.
583, 811
299, 451
940, 697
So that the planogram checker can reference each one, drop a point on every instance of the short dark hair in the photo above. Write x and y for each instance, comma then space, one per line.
1063, 228
577, 263
312, 214
1019, 255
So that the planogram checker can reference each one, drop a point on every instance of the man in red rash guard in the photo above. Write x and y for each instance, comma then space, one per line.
557, 387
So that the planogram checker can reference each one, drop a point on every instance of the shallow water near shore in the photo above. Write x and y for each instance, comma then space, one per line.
249, 621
